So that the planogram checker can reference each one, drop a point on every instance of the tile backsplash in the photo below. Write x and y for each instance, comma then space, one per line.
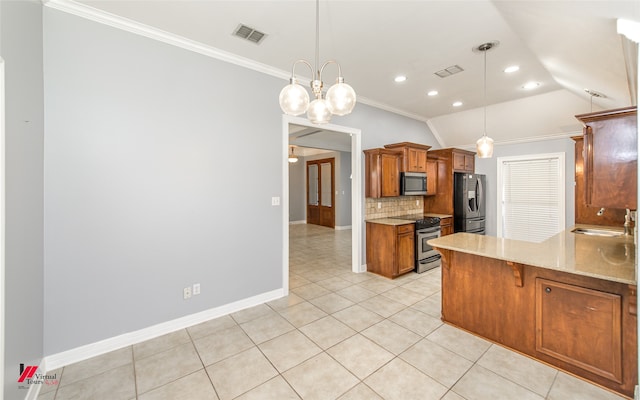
393, 206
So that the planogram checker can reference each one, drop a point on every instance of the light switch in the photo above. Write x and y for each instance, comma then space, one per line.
275, 201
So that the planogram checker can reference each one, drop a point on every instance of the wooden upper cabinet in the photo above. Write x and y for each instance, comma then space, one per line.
382, 173
611, 158
414, 156
432, 177
463, 161
445, 162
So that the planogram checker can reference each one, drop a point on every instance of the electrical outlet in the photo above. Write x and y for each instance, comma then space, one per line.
196, 289
417, 202
186, 292
379, 205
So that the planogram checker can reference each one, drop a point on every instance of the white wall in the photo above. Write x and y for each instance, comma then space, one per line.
21, 49
489, 167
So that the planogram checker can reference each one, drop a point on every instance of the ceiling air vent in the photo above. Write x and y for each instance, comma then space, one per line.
250, 34
454, 69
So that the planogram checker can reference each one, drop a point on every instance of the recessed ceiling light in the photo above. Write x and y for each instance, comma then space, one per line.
511, 69
432, 93
531, 85
457, 104
400, 78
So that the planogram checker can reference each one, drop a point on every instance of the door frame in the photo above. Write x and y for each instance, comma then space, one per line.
319, 163
357, 199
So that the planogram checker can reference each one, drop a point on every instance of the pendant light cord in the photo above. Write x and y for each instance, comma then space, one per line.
317, 37
485, 93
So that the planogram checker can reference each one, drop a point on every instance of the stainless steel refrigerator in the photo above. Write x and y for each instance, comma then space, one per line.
469, 203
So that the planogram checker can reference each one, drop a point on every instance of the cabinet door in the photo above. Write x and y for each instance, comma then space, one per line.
611, 162
458, 162
405, 251
417, 160
580, 326
432, 177
390, 179
446, 226
469, 163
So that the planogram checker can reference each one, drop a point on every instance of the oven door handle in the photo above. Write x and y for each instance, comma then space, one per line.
430, 259
428, 230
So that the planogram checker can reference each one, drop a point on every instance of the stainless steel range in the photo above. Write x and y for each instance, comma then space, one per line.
427, 228
426, 256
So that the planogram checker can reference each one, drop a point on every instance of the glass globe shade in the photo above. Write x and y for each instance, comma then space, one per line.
318, 112
484, 145
341, 98
294, 99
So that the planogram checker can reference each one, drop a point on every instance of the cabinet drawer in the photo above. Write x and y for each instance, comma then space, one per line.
406, 228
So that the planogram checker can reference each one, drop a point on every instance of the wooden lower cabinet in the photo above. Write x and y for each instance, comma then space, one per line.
583, 325
580, 326
446, 226
390, 249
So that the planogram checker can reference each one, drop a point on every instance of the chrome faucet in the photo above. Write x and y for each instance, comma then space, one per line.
627, 222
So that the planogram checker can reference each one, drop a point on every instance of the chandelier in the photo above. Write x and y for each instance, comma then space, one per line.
484, 145
339, 100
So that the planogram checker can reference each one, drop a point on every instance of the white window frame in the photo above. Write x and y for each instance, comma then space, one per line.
561, 185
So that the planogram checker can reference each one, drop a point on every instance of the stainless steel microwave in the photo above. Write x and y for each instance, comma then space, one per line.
413, 183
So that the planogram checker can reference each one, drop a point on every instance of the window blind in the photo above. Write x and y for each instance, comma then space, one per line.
532, 198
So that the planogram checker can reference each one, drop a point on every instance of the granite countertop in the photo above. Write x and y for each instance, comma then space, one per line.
398, 221
609, 258
390, 221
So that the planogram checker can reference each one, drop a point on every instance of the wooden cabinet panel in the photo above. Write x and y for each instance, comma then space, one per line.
432, 177
446, 226
611, 158
585, 214
382, 173
405, 252
414, 156
390, 249
580, 326
448, 161
390, 178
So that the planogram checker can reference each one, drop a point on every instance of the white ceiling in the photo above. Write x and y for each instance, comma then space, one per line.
566, 46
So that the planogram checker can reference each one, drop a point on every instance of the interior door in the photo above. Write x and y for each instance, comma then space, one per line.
321, 192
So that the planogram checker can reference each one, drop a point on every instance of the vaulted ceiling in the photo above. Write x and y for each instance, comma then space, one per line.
565, 46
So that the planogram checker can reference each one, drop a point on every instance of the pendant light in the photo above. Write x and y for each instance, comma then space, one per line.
484, 145
340, 98
292, 157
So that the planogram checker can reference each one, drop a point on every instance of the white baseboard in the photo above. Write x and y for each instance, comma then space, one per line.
81, 353
342, 228
297, 222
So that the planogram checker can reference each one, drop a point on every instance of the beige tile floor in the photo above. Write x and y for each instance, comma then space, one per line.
338, 335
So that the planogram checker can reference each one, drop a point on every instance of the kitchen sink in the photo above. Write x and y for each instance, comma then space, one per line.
597, 232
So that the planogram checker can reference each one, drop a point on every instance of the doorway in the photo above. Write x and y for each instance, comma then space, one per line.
357, 202
321, 183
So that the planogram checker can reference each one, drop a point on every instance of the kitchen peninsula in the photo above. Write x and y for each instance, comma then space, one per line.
569, 301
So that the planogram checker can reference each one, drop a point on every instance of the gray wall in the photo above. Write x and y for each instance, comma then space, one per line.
141, 180
489, 167
144, 190
21, 48
343, 178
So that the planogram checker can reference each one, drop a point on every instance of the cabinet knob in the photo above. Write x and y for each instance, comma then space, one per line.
548, 290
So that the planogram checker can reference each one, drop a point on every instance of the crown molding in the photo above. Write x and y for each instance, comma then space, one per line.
433, 130
116, 21
541, 138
